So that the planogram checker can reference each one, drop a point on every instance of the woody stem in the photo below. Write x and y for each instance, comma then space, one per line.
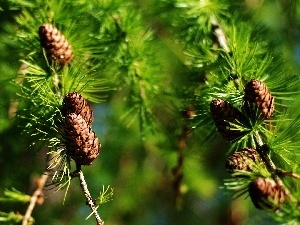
89, 199
38, 192
263, 152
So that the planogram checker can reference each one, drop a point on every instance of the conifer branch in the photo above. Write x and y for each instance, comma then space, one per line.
89, 200
35, 198
211, 44
178, 169
220, 35
263, 152
282, 172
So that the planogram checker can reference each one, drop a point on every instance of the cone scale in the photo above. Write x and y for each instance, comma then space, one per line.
56, 46
81, 142
243, 159
258, 96
223, 113
75, 103
265, 193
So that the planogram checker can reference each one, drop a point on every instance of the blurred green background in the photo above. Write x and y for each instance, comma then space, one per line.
140, 169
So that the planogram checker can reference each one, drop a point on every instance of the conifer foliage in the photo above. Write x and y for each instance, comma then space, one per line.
168, 90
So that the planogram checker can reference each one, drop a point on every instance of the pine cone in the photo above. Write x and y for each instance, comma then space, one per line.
55, 44
266, 193
81, 142
75, 103
257, 95
243, 159
223, 113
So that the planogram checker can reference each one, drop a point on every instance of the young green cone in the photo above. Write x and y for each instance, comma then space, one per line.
258, 96
55, 44
223, 113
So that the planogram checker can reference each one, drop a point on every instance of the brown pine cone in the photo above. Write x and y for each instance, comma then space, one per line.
266, 194
257, 95
223, 113
243, 159
55, 44
75, 103
81, 142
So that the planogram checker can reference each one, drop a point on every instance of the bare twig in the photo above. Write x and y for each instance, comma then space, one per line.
89, 200
35, 197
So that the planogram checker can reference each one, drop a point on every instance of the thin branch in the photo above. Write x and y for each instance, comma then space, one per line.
89, 200
263, 152
221, 40
282, 172
178, 169
220, 35
35, 197
57, 85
